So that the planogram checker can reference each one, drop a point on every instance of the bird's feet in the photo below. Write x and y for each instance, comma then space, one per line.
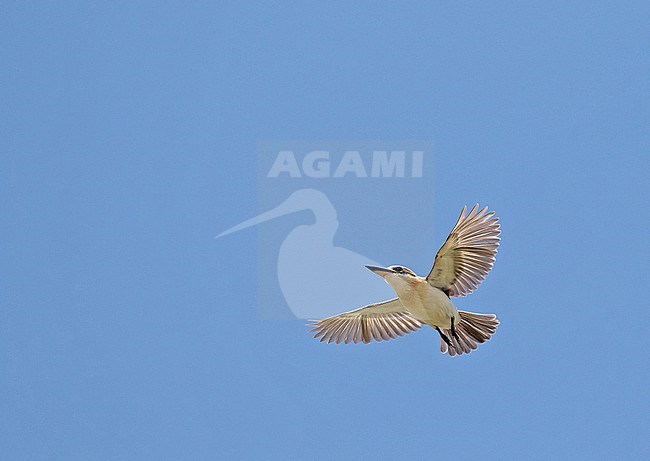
453, 329
444, 337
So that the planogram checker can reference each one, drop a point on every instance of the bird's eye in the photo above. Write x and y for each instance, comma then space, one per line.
398, 269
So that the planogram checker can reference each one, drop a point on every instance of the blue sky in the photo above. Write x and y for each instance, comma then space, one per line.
128, 142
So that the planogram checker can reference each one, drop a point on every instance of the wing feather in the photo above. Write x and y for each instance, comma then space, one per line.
379, 322
468, 254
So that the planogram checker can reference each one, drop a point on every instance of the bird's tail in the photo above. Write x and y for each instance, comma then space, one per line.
471, 329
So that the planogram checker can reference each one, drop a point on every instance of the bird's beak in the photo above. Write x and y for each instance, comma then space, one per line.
380, 271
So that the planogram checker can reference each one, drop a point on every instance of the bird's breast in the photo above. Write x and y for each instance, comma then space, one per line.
427, 304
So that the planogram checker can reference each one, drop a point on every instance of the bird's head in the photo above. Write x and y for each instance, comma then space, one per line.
396, 276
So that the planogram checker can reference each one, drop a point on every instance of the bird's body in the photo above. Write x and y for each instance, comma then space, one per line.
461, 264
428, 304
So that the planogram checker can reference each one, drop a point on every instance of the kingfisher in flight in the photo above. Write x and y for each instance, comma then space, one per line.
460, 266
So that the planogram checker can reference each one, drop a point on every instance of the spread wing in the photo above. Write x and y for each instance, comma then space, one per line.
468, 254
381, 322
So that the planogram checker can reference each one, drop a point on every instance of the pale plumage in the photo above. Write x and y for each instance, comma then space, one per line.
461, 264
468, 254
379, 322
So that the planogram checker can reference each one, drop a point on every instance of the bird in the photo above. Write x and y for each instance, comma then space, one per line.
460, 266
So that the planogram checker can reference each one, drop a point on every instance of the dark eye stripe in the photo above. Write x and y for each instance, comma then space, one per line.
403, 270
